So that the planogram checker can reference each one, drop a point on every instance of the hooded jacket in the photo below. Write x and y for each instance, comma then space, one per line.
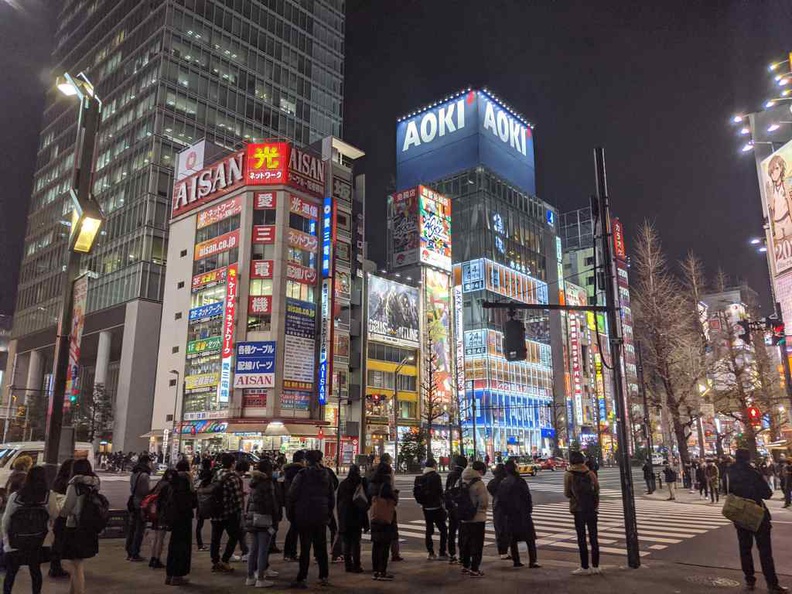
432, 489
569, 476
745, 481
311, 497
478, 494
75, 497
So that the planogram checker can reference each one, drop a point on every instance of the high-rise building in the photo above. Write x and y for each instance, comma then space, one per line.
477, 151
168, 72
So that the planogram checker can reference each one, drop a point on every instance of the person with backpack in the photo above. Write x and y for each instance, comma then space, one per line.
59, 486
312, 501
581, 487
139, 486
516, 505
452, 485
150, 506
25, 526
670, 476
743, 480
203, 481
226, 513
428, 492
471, 505
85, 510
352, 507
382, 519
289, 472
499, 517
261, 514
712, 475
177, 502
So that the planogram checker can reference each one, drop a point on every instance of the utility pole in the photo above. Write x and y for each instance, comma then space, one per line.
616, 340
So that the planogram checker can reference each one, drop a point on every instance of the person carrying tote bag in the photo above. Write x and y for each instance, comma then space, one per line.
382, 517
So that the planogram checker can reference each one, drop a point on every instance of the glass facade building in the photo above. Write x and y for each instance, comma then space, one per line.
169, 73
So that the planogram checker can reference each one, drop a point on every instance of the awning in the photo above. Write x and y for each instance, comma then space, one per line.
153, 433
296, 429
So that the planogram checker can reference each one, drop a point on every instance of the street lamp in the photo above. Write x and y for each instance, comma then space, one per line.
87, 219
177, 435
407, 359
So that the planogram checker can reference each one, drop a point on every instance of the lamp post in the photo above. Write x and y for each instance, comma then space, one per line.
407, 359
87, 219
177, 428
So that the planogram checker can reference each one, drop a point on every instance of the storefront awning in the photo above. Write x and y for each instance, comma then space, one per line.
152, 433
296, 429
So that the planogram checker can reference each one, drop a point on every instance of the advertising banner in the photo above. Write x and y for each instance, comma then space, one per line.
434, 227
776, 171
208, 184
206, 312
328, 220
300, 274
303, 241
263, 234
300, 333
201, 380
264, 201
255, 398
392, 312
267, 163
229, 327
513, 284
575, 363
459, 333
304, 208
472, 276
294, 400
343, 284
204, 346
405, 239
79, 303
190, 160
619, 248
438, 314
219, 212
207, 279
306, 172
255, 364
261, 268
475, 343
324, 380
216, 245
259, 304
342, 194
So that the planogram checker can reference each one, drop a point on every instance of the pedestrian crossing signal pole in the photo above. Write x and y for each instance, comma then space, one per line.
616, 340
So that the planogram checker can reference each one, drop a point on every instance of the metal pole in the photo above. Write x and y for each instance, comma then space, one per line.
473, 404
647, 418
616, 340
396, 421
338, 430
181, 419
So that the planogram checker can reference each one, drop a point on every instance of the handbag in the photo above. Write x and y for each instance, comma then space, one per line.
359, 498
382, 510
745, 513
257, 521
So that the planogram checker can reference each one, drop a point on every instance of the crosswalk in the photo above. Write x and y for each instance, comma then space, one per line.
660, 524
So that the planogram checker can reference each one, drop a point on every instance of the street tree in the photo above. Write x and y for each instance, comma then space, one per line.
94, 416
432, 405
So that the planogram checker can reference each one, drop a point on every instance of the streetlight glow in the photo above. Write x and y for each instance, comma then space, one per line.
756, 241
773, 127
737, 119
747, 147
762, 249
744, 131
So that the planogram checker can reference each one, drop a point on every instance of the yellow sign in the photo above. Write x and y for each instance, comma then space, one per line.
202, 380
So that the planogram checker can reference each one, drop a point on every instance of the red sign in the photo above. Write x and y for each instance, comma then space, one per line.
260, 305
619, 249
264, 201
216, 213
209, 278
303, 241
221, 243
208, 184
301, 274
229, 316
304, 208
252, 398
261, 268
264, 234
267, 163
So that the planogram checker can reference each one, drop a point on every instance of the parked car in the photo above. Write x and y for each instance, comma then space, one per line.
555, 463
35, 449
527, 465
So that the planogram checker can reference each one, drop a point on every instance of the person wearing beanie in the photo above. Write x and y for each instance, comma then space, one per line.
428, 492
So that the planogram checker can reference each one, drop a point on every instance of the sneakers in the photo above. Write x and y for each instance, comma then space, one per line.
376, 576
442, 557
244, 558
324, 581
582, 571
222, 567
534, 565
135, 559
518, 565
238, 558
264, 584
251, 581
339, 559
505, 557
431, 557
465, 570
271, 573
596, 571
179, 581
60, 574
452, 560
386, 577
475, 573
203, 548
156, 563
356, 570
291, 559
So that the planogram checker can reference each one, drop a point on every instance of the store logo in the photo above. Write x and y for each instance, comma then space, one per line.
434, 124
509, 130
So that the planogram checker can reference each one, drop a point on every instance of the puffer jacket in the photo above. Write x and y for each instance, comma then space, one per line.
432, 488
262, 498
478, 493
311, 497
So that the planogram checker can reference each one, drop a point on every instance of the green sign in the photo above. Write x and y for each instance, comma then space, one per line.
204, 345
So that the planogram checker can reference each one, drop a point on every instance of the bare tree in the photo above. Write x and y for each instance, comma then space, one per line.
94, 417
431, 401
668, 325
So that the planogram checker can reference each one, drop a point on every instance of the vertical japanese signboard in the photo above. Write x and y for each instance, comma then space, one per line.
229, 323
325, 342
80, 300
327, 237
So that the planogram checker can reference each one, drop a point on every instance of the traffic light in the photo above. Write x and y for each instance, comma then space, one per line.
746, 327
754, 416
73, 398
514, 339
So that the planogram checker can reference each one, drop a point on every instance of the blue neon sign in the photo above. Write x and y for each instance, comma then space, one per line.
327, 237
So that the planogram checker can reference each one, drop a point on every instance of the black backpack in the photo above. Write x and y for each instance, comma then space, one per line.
463, 504
95, 512
29, 525
419, 489
584, 491
210, 499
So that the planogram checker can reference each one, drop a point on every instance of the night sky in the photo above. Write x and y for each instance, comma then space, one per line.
655, 83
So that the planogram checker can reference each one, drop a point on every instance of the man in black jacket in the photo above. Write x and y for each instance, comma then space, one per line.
312, 501
428, 492
453, 480
289, 472
745, 481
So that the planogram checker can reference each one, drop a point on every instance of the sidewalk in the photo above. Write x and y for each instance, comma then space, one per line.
110, 574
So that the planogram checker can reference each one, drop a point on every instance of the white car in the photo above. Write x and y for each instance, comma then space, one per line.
35, 449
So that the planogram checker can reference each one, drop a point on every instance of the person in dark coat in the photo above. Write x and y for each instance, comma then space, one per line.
498, 512
352, 518
289, 472
383, 521
59, 487
648, 474
312, 500
178, 500
204, 480
453, 479
514, 497
745, 481
261, 515
382, 473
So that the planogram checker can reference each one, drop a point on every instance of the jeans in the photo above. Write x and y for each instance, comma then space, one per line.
379, 556
316, 536
515, 550
453, 527
136, 528
435, 517
587, 520
764, 544
471, 544
198, 529
14, 561
351, 543
179, 549
290, 544
258, 556
231, 526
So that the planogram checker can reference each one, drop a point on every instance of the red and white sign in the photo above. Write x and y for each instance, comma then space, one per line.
208, 184
264, 234
254, 380
255, 398
260, 305
221, 211
229, 316
216, 245
304, 208
303, 241
264, 201
261, 268
267, 163
307, 172
190, 160
619, 249
301, 274
577, 374
212, 277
